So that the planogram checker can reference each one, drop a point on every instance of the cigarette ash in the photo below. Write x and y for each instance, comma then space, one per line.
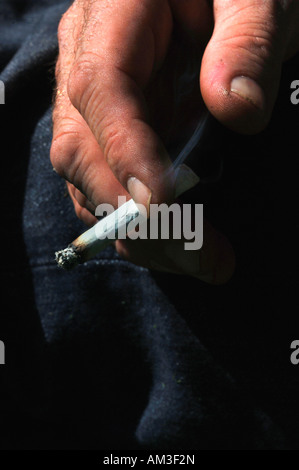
67, 258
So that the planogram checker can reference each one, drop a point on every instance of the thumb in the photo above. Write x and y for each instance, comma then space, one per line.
241, 66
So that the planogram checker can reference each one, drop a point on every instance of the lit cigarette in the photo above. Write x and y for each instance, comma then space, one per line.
98, 237
91, 242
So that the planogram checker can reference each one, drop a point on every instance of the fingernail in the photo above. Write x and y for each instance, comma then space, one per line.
139, 192
249, 90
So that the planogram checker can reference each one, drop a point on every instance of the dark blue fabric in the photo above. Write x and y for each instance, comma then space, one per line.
110, 355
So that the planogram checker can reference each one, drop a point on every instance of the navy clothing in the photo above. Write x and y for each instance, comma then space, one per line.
111, 355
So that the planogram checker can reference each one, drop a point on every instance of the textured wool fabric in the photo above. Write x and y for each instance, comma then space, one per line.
111, 355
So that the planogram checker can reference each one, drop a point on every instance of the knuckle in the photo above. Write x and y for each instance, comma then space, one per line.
81, 82
258, 44
58, 68
71, 189
82, 213
68, 21
62, 27
79, 210
64, 152
115, 146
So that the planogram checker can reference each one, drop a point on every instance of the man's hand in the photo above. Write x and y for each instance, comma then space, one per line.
110, 53
102, 142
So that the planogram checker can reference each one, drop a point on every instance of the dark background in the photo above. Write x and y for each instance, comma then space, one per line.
111, 356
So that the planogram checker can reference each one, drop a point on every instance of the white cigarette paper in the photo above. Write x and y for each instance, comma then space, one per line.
101, 234
91, 242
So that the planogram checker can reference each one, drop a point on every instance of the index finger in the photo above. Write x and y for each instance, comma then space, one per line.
122, 44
